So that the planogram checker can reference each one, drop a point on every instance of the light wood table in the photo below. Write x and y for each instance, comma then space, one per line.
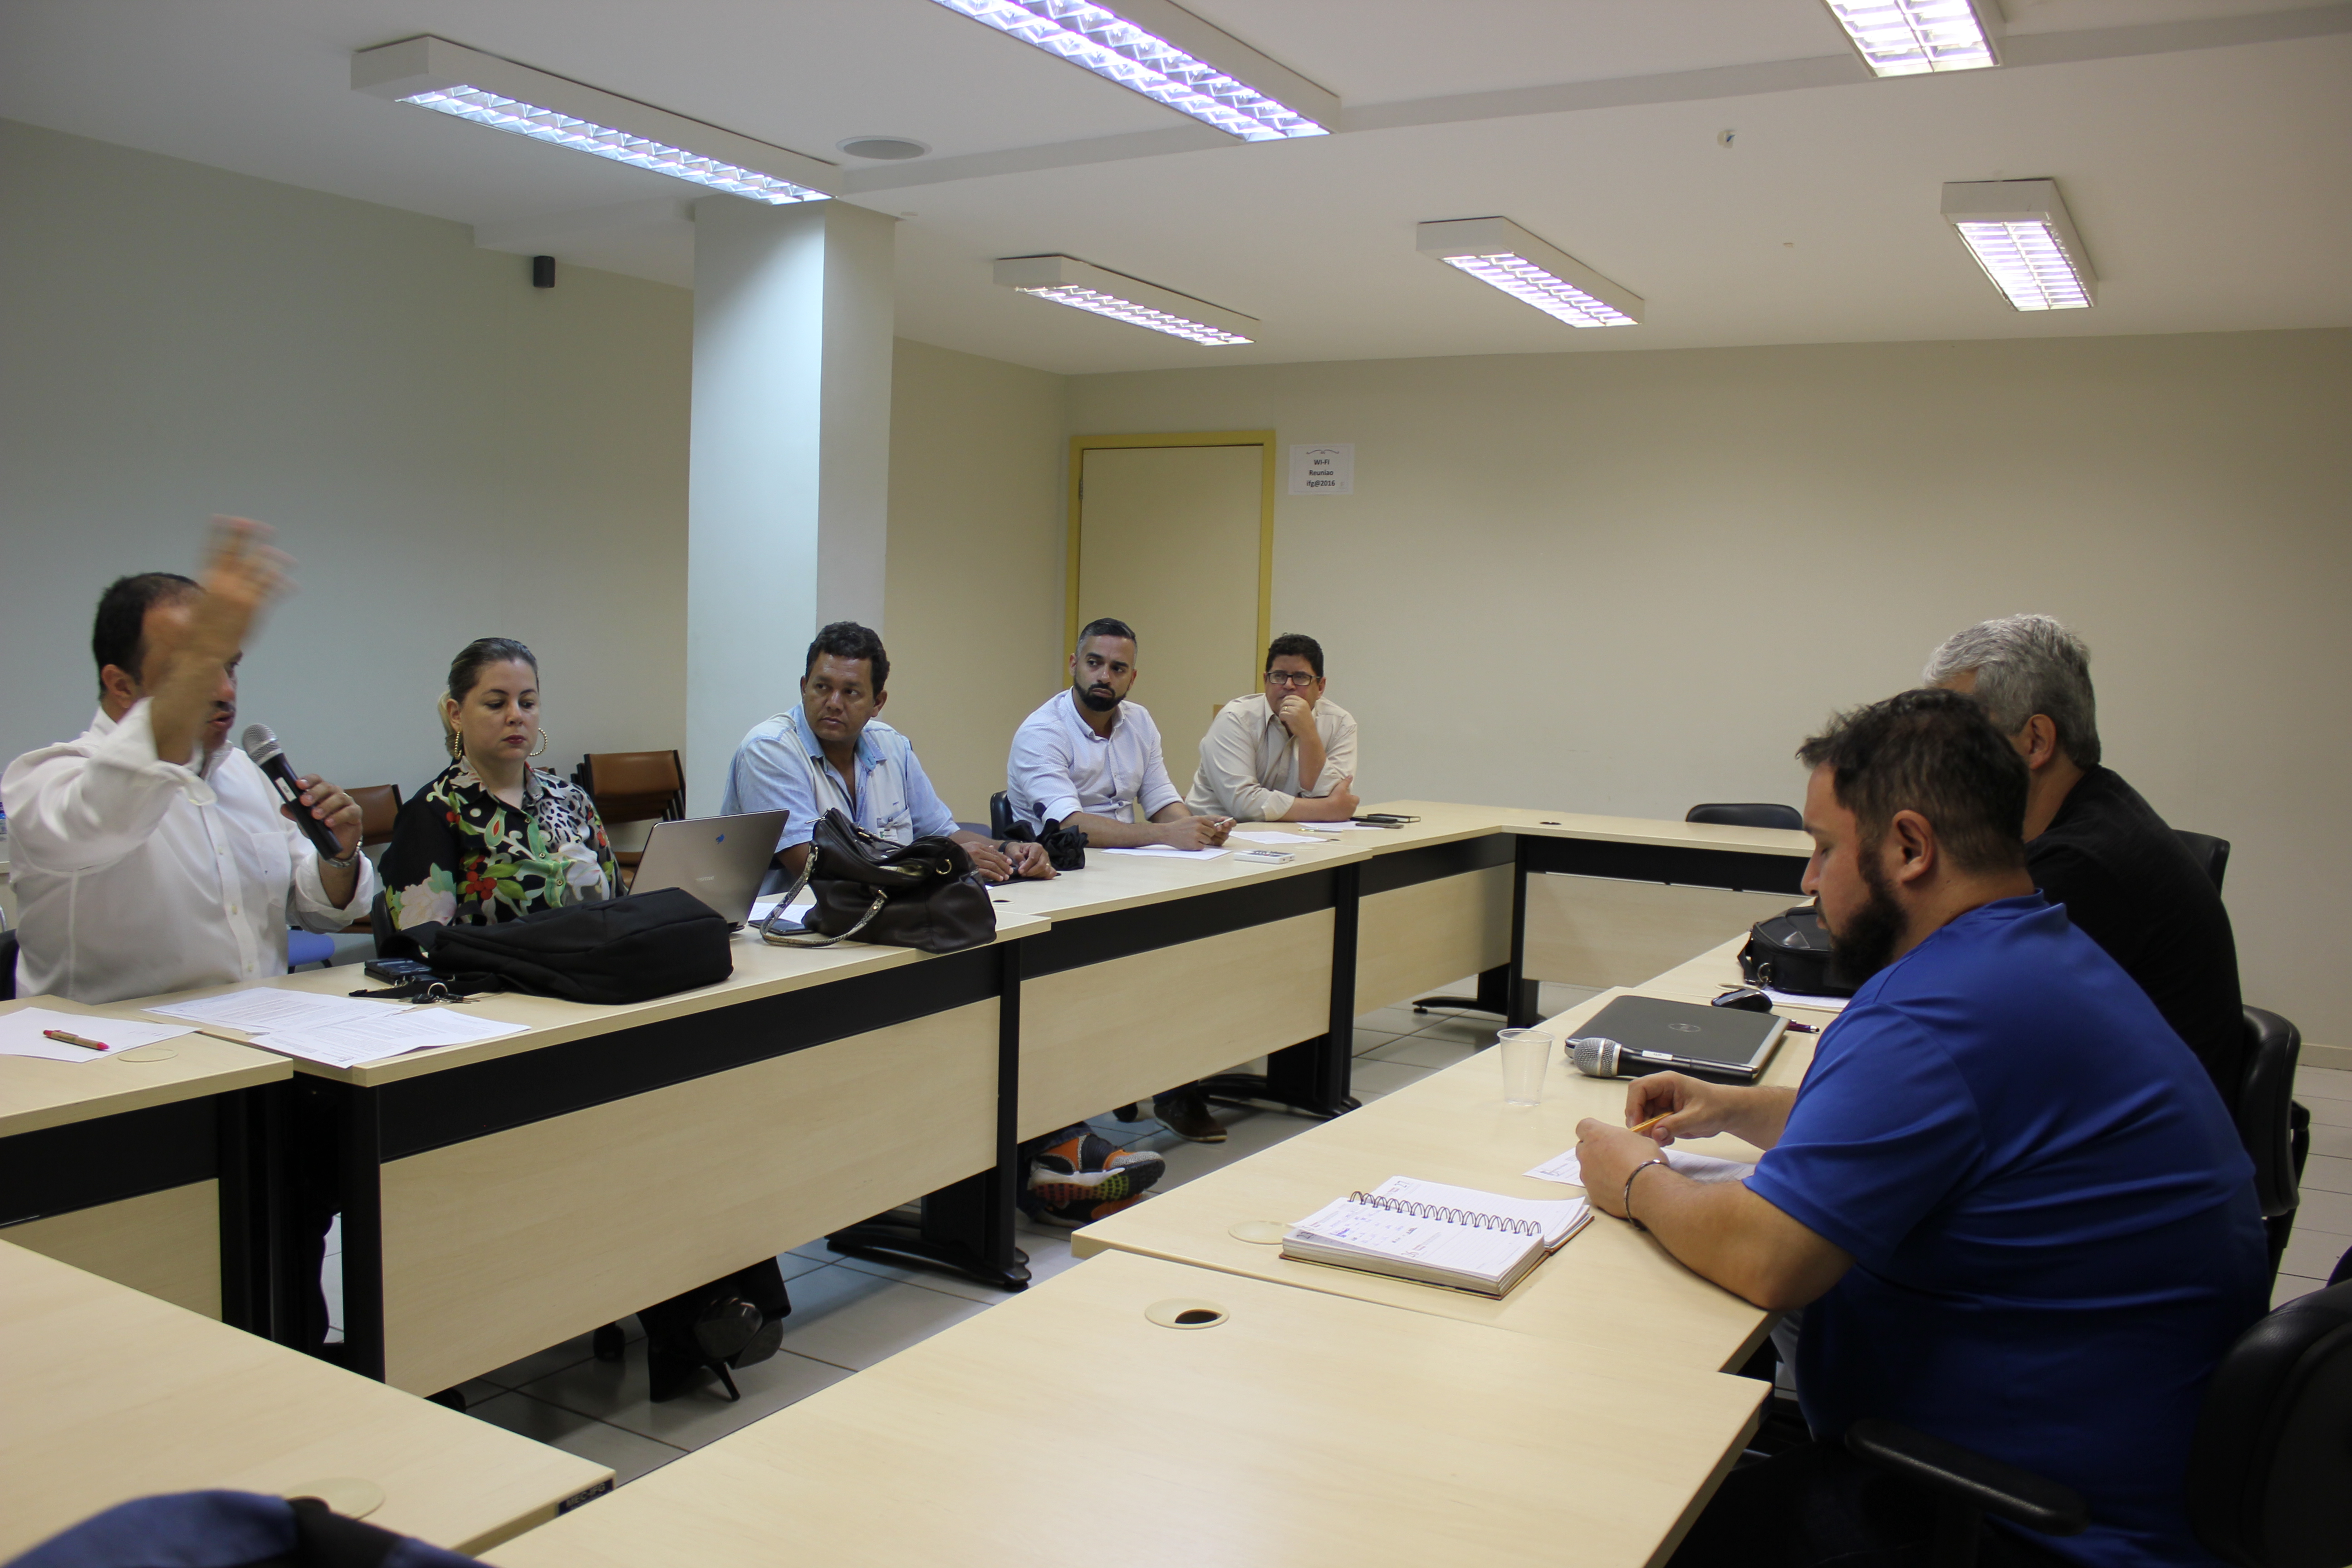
113, 1394
1302, 1430
503, 1196
146, 1167
1611, 1285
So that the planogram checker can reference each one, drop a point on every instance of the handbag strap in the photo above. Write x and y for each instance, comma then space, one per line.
799, 938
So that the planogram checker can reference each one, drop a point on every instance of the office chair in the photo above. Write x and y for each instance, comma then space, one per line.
2265, 1485
2212, 853
1751, 815
379, 811
2265, 1118
999, 814
633, 786
7, 966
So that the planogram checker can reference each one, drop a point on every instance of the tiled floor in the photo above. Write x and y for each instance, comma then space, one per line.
848, 1313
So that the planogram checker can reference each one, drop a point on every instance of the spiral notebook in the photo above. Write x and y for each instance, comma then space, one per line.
1459, 1238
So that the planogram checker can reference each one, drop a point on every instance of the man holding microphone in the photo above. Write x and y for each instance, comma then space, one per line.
150, 853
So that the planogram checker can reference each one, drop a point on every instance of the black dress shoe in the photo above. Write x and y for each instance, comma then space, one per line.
726, 1326
608, 1343
1185, 1112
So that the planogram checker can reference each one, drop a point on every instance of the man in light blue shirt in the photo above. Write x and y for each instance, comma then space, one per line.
833, 753
1086, 756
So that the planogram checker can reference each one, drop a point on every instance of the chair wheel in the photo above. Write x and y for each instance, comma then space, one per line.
608, 1342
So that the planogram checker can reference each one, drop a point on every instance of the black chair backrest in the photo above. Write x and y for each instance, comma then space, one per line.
2274, 1442
1000, 815
7, 966
2264, 1103
2208, 851
1753, 815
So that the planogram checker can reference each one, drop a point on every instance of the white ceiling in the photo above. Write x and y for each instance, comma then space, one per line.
2204, 147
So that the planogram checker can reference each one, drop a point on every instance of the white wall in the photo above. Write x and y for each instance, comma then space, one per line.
447, 452
978, 532
1627, 583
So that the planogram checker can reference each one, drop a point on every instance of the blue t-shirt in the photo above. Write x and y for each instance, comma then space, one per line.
2052, 1223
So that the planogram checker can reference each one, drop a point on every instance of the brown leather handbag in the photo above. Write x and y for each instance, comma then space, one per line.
918, 895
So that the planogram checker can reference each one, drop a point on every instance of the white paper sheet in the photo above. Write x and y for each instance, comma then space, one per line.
1817, 1004
1683, 1161
20, 1034
340, 1031
1166, 852
1341, 828
1273, 837
762, 908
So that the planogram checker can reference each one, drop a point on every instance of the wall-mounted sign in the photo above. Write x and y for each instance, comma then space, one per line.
1329, 470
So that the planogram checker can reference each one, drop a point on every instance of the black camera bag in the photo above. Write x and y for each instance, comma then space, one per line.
1792, 953
612, 951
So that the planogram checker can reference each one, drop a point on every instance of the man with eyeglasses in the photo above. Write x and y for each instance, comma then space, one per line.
1284, 755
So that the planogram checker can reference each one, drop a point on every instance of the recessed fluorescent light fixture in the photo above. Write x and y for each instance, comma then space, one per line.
450, 79
1497, 251
2020, 233
1918, 38
1066, 281
1171, 57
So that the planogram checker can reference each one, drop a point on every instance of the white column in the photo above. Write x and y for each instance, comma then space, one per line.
787, 498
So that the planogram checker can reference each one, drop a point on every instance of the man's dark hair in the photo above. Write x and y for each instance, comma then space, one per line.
1298, 645
1106, 627
1934, 752
466, 670
120, 637
847, 639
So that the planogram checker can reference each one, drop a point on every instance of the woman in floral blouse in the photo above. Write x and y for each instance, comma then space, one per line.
492, 838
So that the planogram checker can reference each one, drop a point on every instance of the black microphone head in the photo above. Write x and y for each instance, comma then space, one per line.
260, 744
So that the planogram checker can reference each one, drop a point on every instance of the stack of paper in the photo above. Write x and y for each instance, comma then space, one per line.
1168, 851
1682, 1161
340, 1031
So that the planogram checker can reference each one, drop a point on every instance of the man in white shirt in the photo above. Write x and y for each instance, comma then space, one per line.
1080, 761
1284, 756
151, 855
834, 752
1087, 756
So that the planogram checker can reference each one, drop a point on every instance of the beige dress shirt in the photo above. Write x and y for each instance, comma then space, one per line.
1249, 760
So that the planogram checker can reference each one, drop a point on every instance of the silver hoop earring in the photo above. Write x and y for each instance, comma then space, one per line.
540, 750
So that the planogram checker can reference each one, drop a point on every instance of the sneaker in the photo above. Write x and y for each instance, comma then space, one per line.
1185, 1112
1078, 1177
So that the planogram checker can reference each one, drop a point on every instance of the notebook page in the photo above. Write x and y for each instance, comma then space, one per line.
1558, 1216
1464, 1249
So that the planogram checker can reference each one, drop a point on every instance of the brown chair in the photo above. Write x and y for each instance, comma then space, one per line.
634, 786
379, 809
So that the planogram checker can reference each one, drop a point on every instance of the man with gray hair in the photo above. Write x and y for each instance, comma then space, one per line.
2093, 845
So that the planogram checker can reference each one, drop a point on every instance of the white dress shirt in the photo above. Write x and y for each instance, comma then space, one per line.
1249, 760
135, 875
1060, 765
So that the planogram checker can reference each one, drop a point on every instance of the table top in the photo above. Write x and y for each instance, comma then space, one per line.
1454, 1127
761, 969
1304, 1429
35, 1094
113, 1394
1645, 831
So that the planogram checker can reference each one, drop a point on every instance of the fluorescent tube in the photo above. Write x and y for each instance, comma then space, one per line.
1171, 57
1066, 281
1499, 253
449, 78
1916, 37
2022, 234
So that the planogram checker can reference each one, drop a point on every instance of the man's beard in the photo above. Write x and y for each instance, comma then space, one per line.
1866, 945
1099, 704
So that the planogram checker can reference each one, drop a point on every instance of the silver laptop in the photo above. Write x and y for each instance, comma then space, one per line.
718, 859
1659, 1036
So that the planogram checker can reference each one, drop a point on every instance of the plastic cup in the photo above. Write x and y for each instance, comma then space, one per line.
1525, 1053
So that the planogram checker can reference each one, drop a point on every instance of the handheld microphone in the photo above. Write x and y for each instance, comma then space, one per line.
263, 748
1595, 1055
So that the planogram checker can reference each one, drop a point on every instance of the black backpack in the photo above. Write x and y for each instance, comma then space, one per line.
611, 950
1790, 952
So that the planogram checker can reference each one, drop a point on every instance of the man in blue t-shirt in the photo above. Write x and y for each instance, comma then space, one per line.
2006, 1196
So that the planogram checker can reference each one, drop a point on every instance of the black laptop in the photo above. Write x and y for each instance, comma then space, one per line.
1659, 1036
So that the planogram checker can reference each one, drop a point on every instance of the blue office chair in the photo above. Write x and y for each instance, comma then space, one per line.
308, 947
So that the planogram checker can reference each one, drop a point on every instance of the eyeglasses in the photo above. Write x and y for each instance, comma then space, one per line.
1289, 678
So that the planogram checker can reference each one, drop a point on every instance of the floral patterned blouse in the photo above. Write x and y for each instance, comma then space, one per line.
460, 854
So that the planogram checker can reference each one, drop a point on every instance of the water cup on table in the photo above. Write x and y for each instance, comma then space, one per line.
1525, 1053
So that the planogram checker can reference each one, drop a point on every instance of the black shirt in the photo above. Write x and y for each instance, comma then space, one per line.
2130, 885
